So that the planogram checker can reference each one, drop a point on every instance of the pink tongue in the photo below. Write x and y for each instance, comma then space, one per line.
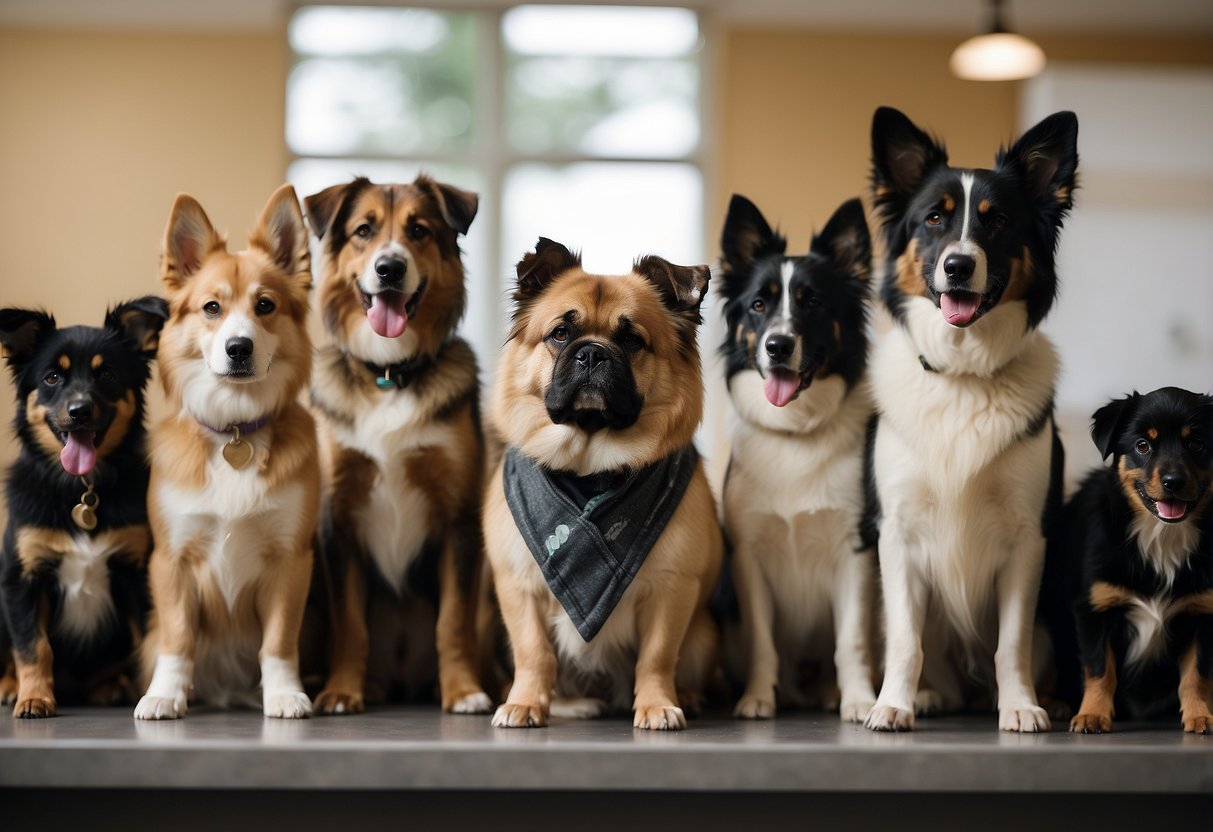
959, 308
1171, 509
386, 314
79, 455
781, 387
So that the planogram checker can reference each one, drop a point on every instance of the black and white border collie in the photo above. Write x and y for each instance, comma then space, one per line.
796, 352
966, 465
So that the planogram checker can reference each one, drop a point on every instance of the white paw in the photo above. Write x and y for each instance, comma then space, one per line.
755, 707
888, 718
856, 711
928, 703
473, 703
160, 707
660, 718
289, 705
583, 708
1026, 719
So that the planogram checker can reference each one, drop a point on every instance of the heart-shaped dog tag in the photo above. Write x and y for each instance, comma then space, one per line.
238, 453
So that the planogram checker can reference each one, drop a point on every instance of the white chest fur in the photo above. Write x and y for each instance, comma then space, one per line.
84, 578
393, 521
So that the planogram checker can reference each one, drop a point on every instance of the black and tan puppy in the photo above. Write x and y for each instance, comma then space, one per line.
398, 398
600, 527
1141, 534
73, 581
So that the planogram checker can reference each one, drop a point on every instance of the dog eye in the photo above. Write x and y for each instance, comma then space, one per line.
417, 231
759, 305
106, 376
1143, 447
560, 334
264, 306
212, 308
999, 221
52, 378
631, 342
362, 231
1196, 445
934, 218
810, 300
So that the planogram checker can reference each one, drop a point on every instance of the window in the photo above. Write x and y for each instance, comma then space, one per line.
579, 123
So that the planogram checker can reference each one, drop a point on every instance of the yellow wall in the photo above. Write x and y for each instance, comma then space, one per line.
99, 129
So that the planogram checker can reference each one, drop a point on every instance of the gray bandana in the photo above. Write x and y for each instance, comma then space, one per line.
590, 535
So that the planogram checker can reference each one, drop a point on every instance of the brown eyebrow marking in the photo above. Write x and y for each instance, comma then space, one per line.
65, 363
949, 202
1152, 433
983, 206
1185, 432
96, 362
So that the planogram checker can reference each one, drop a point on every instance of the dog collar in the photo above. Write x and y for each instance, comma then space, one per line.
237, 452
401, 374
243, 428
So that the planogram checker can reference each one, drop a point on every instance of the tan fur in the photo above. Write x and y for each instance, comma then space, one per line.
1195, 696
1096, 711
909, 272
192, 618
436, 453
661, 623
1104, 596
1021, 278
37, 547
35, 674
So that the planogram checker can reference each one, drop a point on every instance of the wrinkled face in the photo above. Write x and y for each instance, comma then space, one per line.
84, 385
967, 250
1165, 464
392, 280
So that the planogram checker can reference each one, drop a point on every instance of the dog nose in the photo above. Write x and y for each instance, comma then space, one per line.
80, 411
959, 267
591, 355
239, 349
779, 347
1173, 482
390, 271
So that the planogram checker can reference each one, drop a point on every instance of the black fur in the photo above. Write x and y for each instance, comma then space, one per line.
55, 377
1096, 545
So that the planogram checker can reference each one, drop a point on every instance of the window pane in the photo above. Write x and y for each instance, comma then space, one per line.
602, 81
381, 81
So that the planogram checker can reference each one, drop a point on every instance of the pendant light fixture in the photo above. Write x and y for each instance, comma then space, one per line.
997, 55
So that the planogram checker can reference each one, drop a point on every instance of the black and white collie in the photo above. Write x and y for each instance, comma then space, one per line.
796, 352
1138, 539
965, 459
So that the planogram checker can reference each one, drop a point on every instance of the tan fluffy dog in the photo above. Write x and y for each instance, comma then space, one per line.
600, 380
235, 483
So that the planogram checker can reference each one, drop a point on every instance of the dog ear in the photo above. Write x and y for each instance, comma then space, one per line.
322, 208
846, 240
747, 236
281, 233
538, 268
1046, 157
682, 288
21, 331
902, 154
139, 321
1108, 423
458, 206
188, 239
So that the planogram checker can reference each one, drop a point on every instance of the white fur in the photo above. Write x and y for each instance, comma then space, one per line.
792, 503
781, 324
1149, 617
281, 689
369, 280
365, 343
85, 580
980, 281
214, 346
390, 521
962, 492
1165, 546
167, 696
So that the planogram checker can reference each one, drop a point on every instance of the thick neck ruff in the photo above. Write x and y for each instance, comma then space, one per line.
590, 535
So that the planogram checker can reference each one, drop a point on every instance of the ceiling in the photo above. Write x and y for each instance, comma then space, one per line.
922, 16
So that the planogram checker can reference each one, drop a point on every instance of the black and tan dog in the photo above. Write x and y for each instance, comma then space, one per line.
73, 582
397, 394
1140, 536
600, 527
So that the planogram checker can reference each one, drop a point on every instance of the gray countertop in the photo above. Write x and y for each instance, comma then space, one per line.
419, 748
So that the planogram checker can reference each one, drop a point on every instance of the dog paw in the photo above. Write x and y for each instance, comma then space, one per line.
1026, 719
1202, 724
1057, 709
8, 690
338, 702
581, 708
292, 704
856, 711
111, 692
520, 716
888, 718
160, 707
35, 707
928, 703
1091, 724
660, 718
472, 703
755, 707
